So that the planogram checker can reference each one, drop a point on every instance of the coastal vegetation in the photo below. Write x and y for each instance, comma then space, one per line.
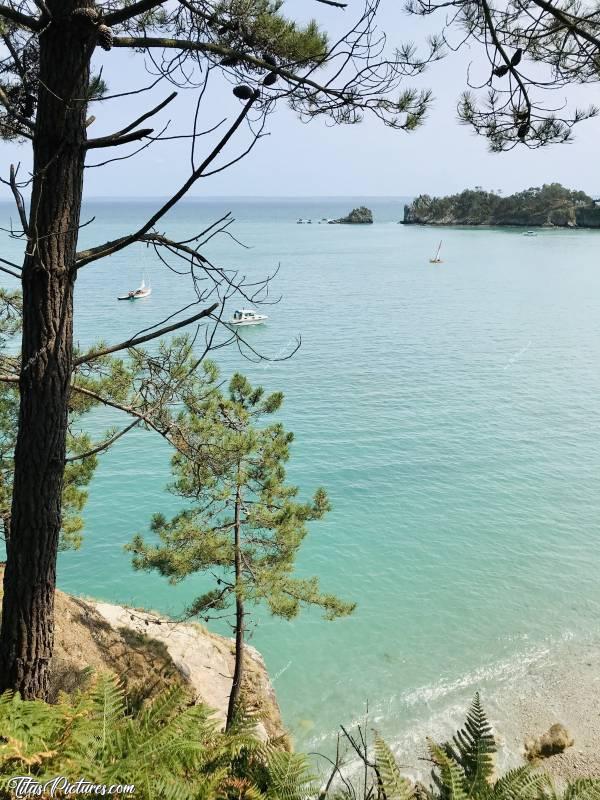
244, 526
47, 90
242, 519
172, 750
550, 205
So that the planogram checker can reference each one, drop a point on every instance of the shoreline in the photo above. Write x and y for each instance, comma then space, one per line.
562, 686
492, 225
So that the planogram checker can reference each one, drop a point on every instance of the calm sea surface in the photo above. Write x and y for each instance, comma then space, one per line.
453, 414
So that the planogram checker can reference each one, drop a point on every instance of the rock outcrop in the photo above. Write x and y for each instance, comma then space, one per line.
556, 740
149, 653
358, 216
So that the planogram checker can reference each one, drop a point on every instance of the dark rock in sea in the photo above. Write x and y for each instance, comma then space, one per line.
554, 741
358, 216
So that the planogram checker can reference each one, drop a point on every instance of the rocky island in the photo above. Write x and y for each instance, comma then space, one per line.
358, 216
552, 205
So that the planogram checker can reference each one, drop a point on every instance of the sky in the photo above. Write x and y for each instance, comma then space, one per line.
317, 159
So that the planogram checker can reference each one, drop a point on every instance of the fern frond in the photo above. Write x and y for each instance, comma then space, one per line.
289, 777
394, 784
519, 784
474, 747
451, 780
583, 789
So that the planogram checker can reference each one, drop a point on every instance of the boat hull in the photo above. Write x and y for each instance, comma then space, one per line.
237, 323
138, 296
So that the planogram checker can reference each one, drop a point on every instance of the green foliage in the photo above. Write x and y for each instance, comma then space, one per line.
230, 468
258, 26
78, 474
536, 206
146, 383
169, 750
392, 783
473, 748
463, 770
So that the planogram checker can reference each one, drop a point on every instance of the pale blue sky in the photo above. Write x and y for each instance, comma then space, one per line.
316, 159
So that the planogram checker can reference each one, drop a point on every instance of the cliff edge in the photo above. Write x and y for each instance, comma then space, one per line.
149, 653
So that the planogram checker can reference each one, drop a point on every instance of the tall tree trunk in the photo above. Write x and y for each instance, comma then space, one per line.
27, 632
238, 671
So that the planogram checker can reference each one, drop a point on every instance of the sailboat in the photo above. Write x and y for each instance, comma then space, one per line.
436, 259
136, 294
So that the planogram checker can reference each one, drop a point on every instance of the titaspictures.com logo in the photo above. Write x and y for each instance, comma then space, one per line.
26, 786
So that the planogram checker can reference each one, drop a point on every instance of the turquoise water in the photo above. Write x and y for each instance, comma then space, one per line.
452, 413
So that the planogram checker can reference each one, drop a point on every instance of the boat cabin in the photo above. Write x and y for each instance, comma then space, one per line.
244, 313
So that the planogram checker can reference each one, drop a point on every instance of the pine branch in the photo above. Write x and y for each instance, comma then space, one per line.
19, 19
222, 51
120, 134
130, 11
103, 445
116, 139
108, 248
137, 340
18, 199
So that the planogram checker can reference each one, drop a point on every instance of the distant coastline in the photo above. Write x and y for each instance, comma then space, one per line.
551, 206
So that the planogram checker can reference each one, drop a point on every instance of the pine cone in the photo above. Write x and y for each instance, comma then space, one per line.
86, 14
269, 59
523, 130
105, 37
243, 92
29, 106
270, 79
516, 59
499, 72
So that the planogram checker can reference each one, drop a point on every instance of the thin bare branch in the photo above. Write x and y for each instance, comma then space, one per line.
118, 244
135, 341
19, 19
115, 140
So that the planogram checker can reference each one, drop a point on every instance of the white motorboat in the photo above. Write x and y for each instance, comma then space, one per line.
246, 316
530, 233
137, 294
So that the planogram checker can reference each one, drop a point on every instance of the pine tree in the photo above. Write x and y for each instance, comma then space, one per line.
245, 521
46, 87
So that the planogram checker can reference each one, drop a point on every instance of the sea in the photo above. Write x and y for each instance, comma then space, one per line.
450, 410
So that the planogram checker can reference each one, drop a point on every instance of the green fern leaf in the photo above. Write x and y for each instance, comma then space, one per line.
394, 784
519, 784
583, 789
451, 780
473, 748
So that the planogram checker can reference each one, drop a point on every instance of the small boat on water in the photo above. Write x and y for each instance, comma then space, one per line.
436, 259
137, 294
246, 316
530, 233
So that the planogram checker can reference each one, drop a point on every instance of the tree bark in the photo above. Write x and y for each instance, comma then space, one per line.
238, 672
27, 632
